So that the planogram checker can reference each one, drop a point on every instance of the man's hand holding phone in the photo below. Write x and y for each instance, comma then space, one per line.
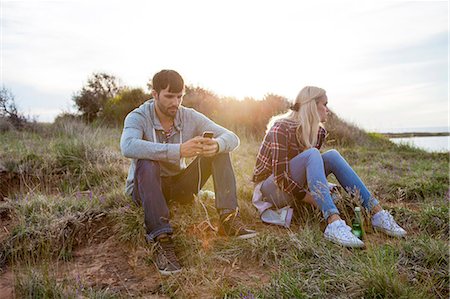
210, 145
205, 146
208, 134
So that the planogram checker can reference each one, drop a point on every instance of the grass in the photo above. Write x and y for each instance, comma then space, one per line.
49, 227
38, 282
64, 189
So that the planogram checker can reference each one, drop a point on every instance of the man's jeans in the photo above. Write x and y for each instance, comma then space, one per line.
153, 191
310, 169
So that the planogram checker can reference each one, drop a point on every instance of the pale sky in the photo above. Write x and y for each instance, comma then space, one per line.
384, 64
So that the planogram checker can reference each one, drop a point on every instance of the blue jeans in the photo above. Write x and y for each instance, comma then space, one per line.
153, 191
310, 170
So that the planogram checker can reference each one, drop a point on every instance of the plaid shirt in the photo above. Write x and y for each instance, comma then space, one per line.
280, 145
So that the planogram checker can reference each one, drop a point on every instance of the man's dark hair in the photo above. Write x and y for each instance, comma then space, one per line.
166, 78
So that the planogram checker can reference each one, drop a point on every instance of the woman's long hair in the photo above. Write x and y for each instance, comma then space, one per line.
304, 112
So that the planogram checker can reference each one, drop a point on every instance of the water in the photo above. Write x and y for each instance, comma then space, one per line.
430, 144
417, 129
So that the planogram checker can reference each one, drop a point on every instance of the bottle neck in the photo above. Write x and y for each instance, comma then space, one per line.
358, 216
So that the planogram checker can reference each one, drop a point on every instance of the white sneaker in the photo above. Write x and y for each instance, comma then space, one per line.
340, 233
384, 222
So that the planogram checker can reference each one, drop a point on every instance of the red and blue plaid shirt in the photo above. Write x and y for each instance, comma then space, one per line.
280, 145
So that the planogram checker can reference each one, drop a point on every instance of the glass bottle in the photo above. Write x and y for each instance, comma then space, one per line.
357, 224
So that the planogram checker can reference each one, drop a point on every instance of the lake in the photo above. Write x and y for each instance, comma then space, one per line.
430, 144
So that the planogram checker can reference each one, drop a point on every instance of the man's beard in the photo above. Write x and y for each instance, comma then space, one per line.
166, 111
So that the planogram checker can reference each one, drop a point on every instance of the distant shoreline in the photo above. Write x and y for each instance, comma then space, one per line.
414, 134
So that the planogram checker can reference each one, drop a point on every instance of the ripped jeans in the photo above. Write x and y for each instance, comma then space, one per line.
310, 169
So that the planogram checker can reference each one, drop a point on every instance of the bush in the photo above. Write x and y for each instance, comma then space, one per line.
117, 108
341, 133
10, 117
248, 117
66, 118
5, 125
92, 97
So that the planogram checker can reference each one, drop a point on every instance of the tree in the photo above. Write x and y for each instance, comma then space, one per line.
9, 111
200, 99
92, 97
117, 108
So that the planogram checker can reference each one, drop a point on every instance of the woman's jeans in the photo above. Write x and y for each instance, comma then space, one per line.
310, 169
153, 191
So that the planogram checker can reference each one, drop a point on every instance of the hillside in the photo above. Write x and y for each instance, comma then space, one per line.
68, 231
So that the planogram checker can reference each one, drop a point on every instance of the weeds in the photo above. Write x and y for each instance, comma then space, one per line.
50, 226
426, 262
129, 224
39, 283
435, 221
35, 284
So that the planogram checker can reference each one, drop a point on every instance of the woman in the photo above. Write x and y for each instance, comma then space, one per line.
289, 165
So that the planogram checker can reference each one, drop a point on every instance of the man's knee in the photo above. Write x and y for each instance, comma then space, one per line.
222, 156
218, 158
148, 167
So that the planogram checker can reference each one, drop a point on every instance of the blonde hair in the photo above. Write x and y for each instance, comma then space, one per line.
304, 112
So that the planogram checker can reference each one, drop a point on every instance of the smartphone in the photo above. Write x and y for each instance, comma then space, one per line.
208, 134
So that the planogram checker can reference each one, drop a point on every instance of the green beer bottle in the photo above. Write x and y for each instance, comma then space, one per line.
357, 224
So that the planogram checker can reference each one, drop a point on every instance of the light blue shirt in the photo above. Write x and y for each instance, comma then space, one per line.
143, 138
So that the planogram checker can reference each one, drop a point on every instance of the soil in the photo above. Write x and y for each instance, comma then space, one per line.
6, 284
8, 181
6, 223
6, 275
109, 265
112, 266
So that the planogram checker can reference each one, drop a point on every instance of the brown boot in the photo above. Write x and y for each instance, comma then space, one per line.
231, 225
164, 255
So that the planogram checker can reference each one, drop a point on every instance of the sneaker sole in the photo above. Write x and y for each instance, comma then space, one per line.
388, 232
247, 236
338, 242
165, 272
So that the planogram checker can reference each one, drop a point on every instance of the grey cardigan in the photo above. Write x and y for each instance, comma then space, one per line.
142, 135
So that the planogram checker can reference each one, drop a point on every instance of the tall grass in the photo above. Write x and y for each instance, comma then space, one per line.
50, 227
65, 158
40, 283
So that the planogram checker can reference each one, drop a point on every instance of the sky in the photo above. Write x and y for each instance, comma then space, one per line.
384, 64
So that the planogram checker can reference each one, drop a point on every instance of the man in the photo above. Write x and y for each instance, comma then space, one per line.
158, 136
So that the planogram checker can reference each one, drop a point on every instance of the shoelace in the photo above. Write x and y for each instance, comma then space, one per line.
169, 250
345, 230
233, 223
237, 224
391, 222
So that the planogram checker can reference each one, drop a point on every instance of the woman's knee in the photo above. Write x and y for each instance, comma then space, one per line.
312, 154
331, 155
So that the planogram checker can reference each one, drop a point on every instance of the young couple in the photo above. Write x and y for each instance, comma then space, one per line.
161, 133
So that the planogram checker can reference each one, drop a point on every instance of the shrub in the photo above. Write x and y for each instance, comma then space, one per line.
10, 117
117, 108
92, 97
341, 133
